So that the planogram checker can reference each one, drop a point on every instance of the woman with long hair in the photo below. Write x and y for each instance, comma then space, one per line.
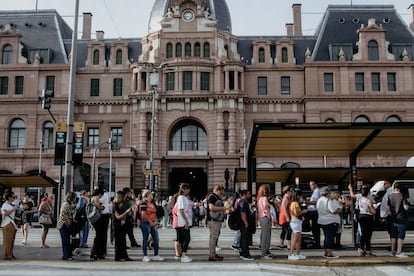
119, 215
265, 220
149, 225
296, 213
184, 220
46, 208
64, 224
284, 217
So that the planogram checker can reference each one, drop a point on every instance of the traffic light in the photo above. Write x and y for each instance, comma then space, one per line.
46, 98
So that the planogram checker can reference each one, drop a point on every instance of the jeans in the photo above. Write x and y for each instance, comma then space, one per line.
236, 241
316, 230
65, 233
329, 231
398, 230
244, 241
84, 233
146, 230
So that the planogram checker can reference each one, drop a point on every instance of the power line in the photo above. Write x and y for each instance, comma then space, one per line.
112, 19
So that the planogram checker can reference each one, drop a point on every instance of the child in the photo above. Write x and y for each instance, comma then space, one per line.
296, 225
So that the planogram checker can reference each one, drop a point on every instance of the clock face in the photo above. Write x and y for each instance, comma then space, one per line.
188, 16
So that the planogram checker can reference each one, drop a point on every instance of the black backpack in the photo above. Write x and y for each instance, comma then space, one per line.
234, 220
18, 217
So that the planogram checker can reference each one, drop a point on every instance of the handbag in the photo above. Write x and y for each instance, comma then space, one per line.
45, 219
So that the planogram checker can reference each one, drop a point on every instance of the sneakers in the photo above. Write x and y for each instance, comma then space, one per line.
267, 257
218, 248
301, 257
24, 242
186, 259
235, 248
293, 257
247, 258
401, 255
158, 258
146, 259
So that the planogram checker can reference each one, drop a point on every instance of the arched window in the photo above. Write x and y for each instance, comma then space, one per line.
393, 119
17, 134
188, 136
7, 54
284, 55
187, 49
118, 56
47, 135
261, 55
169, 50
197, 50
361, 119
96, 57
373, 53
178, 50
206, 50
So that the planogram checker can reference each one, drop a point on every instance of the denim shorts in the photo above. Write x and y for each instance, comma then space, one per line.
296, 225
398, 231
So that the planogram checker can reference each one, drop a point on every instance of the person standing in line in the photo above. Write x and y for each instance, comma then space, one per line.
215, 217
149, 225
284, 218
384, 209
98, 250
46, 208
296, 213
245, 225
129, 201
312, 214
184, 215
120, 214
9, 228
174, 223
27, 206
105, 199
265, 220
236, 242
84, 229
64, 223
398, 205
329, 219
366, 222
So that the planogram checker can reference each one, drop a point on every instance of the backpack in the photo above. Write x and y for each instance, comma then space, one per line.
234, 220
18, 217
93, 214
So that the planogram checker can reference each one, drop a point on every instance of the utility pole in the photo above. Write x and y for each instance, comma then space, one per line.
72, 88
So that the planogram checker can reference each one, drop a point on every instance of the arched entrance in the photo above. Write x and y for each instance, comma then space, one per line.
196, 177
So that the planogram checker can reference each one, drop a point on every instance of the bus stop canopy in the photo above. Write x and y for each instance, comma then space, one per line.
352, 140
25, 181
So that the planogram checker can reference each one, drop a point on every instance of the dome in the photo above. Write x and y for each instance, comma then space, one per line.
218, 9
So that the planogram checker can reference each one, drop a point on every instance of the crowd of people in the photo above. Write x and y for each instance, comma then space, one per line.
292, 212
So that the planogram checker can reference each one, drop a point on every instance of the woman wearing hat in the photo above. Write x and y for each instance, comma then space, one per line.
329, 219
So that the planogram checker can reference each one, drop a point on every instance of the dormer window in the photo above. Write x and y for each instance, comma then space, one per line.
285, 55
95, 57
44, 55
373, 53
7, 54
118, 56
261, 55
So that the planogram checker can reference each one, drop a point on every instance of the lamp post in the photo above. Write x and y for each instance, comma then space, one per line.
94, 165
154, 81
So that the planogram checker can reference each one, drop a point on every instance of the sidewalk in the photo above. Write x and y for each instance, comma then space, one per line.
199, 248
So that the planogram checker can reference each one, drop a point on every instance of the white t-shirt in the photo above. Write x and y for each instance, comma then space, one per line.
10, 218
184, 203
105, 202
316, 194
325, 211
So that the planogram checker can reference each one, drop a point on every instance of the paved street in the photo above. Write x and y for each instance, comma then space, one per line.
32, 260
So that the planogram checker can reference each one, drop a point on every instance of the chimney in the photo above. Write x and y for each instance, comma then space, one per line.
87, 25
289, 29
297, 19
100, 35
411, 9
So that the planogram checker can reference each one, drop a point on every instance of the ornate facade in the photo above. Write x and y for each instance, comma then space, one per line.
212, 87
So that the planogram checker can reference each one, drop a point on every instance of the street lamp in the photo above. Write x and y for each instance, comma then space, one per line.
94, 165
154, 81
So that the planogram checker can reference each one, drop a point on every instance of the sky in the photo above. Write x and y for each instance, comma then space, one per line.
129, 18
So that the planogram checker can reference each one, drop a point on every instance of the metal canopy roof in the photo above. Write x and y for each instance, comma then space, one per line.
331, 140
25, 180
340, 140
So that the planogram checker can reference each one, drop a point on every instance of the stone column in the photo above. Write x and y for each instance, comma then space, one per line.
220, 133
232, 133
142, 133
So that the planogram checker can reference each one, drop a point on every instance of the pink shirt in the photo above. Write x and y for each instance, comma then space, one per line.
263, 207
